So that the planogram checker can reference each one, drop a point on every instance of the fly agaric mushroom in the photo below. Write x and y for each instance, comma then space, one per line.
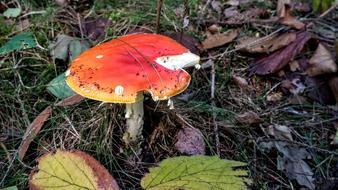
121, 70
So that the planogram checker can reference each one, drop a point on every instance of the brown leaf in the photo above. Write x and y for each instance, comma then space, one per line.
289, 20
187, 41
70, 170
70, 100
217, 40
321, 62
32, 130
276, 61
333, 83
267, 45
190, 141
249, 117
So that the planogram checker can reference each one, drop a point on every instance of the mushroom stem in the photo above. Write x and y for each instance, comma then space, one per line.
134, 122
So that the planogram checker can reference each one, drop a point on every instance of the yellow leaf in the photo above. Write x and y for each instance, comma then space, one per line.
70, 170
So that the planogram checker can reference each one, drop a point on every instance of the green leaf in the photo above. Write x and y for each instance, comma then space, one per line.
76, 47
21, 41
196, 173
68, 47
59, 88
10, 188
12, 12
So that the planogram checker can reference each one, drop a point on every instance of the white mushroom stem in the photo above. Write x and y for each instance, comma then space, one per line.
134, 122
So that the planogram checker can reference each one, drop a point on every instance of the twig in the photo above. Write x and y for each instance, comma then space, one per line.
80, 24
158, 15
33, 13
213, 86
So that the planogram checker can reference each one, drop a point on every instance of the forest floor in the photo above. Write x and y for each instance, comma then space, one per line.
266, 101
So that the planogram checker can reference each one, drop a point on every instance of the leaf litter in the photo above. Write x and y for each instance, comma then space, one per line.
276, 61
292, 157
320, 88
220, 39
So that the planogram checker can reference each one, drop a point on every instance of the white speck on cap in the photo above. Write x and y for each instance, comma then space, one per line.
99, 56
119, 90
67, 73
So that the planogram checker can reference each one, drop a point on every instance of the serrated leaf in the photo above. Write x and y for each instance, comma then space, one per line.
12, 12
21, 41
70, 170
196, 173
10, 188
59, 88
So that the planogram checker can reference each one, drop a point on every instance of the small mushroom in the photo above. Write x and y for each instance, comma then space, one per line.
121, 70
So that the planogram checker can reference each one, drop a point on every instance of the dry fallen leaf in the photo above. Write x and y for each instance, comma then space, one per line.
276, 61
249, 117
291, 161
289, 20
265, 45
280, 132
321, 62
217, 40
190, 141
32, 130
70, 100
70, 170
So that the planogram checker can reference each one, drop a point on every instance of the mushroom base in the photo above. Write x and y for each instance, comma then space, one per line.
134, 122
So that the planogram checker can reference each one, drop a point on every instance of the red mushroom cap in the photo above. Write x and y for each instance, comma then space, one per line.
118, 70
